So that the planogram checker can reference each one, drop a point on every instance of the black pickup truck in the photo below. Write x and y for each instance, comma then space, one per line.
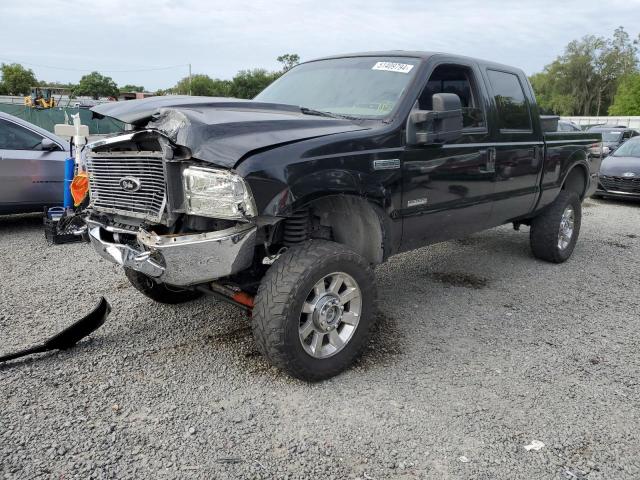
284, 203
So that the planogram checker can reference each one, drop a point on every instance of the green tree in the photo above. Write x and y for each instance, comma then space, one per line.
203, 85
548, 95
17, 80
68, 86
131, 88
96, 85
617, 59
288, 61
249, 83
627, 97
585, 78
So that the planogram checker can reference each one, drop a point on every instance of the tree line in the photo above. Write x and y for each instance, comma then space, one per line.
18, 80
594, 76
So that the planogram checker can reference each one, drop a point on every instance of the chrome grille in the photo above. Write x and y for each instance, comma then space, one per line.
621, 184
106, 170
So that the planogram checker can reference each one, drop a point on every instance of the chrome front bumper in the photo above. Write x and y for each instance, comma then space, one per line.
180, 260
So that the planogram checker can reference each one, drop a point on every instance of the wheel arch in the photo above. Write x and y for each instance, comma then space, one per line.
577, 179
356, 222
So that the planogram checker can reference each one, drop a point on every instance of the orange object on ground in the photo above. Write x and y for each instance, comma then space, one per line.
79, 188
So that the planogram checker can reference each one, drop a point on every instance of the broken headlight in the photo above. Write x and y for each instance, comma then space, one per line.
217, 193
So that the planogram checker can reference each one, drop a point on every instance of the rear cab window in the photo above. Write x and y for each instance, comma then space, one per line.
514, 112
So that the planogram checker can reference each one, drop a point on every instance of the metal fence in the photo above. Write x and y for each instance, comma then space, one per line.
49, 117
631, 122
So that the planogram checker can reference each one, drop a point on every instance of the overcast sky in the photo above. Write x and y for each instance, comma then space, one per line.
62, 40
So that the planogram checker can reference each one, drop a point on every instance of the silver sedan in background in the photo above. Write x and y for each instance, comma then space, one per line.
31, 166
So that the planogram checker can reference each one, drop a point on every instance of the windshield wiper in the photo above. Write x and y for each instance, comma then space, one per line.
320, 113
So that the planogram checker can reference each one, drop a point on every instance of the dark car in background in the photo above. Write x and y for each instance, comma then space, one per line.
613, 137
31, 166
620, 172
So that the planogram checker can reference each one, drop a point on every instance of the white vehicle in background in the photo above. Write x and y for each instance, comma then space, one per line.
31, 166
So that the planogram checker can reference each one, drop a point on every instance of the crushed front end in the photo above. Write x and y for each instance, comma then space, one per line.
156, 210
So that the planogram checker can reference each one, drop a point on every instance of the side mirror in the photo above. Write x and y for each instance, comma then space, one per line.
440, 125
48, 144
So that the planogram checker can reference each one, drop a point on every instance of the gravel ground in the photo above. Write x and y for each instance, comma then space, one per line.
481, 349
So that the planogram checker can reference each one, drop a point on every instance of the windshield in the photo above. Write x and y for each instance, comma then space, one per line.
610, 136
630, 148
364, 87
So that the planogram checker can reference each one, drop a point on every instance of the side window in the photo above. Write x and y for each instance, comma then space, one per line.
14, 137
459, 80
626, 135
513, 108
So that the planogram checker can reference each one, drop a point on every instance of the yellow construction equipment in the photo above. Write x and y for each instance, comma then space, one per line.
40, 98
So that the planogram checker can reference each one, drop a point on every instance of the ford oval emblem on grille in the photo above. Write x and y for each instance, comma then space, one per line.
628, 174
130, 184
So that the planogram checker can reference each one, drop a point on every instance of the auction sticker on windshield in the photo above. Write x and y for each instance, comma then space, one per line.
393, 67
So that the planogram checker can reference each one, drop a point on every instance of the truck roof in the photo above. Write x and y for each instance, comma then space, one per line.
421, 54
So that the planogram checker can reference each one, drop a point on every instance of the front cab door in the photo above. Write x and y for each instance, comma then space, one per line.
447, 188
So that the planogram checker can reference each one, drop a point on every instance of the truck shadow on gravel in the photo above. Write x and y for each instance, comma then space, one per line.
457, 279
512, 243
237, 335
22, 221
385, 342
468, 241
616, 244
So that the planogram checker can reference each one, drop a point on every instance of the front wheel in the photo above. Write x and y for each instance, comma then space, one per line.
555, 231
314, 310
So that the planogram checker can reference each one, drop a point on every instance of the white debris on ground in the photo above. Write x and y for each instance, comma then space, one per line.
534, 445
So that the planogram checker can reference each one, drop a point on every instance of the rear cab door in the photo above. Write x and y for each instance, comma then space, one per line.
28, 174
519, 146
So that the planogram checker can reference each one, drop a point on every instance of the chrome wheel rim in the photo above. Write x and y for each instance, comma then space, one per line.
566, 228
330, 315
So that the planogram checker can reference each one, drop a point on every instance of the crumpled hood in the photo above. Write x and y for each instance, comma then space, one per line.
617, 166
223, 130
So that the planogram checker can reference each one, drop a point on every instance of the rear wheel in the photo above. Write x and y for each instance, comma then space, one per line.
159, 292
555, 231
314, 310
